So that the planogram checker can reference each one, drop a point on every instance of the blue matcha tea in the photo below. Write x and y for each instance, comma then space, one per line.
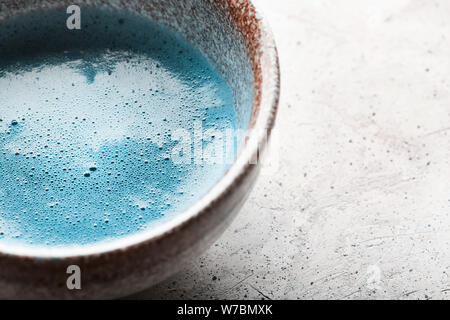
87, 125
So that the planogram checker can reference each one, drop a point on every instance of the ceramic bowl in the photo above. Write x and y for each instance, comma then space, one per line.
236, 38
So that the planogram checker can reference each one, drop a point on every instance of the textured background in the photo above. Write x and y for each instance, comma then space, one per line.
359, 206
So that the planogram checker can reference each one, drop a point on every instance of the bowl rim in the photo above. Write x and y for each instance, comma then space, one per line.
257, 136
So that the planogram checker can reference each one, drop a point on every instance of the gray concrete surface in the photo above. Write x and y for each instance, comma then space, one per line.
360, 205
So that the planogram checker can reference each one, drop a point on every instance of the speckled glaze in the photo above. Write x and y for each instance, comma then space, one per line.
237, 40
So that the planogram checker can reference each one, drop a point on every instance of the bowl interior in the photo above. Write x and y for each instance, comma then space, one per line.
210, 25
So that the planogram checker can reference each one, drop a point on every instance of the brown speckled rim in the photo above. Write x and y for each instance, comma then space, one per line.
263, 52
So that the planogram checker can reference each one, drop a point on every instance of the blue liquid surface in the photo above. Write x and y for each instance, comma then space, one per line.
87, 124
